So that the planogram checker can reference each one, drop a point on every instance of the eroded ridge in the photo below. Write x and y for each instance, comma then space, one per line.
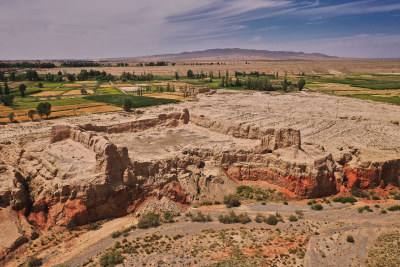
307, 170
88, 172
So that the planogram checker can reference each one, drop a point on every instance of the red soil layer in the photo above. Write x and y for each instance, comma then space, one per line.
321, 185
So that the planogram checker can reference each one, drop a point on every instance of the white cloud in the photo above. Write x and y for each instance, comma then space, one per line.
351, 8
104, 28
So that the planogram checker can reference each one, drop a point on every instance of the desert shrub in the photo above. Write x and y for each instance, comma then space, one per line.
229, 218
151, 238
272, 220
33, 262
259, 194
345, 199
260, 218
359, 193
231, 201
118, 244
176, 237
94, 226
244, 190
383, 211
317, 207
129, 249
300, 214
149, 220
293, 218
394, 208
125, 231
366, 208
206, 203
244, 218
350, 239
396, 197
279, 217
311, 202
168, 217
116, 234
375, 197
233, 218
285, 203
111, 258
200, 217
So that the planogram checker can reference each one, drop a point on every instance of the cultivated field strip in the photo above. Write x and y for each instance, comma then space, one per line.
60, 111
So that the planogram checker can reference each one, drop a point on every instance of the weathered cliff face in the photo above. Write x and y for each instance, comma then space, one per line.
304, 169
13, 191
113, 185
79, 174
271, 139
372, 175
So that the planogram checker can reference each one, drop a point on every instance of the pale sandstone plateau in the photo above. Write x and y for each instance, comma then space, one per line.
92, 167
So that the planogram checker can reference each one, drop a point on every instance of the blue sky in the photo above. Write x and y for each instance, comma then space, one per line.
46, 29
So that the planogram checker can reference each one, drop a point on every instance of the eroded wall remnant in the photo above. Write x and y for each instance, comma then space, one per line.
43, 188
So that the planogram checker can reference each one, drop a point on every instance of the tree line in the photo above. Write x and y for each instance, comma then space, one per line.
264, 84
155, 64
126, 76
80, 64
25, 65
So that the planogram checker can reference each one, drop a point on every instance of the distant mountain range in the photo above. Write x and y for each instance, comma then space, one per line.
226, 54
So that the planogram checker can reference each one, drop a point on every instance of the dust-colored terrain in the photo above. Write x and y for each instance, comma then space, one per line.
174, 157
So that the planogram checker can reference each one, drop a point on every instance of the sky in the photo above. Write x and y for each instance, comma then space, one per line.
93, 29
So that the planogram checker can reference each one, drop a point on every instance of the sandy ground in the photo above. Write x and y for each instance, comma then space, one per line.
75, 249
322, 234
71, 158
330, 121
159, 143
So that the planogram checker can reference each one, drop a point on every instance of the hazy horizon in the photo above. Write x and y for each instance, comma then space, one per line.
54, 29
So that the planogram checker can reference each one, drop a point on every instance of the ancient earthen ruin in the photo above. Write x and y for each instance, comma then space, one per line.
89, 172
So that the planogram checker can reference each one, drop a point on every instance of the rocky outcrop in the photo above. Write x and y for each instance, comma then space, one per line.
372, 175
282, 160
13, 191
114, 186
80, 175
